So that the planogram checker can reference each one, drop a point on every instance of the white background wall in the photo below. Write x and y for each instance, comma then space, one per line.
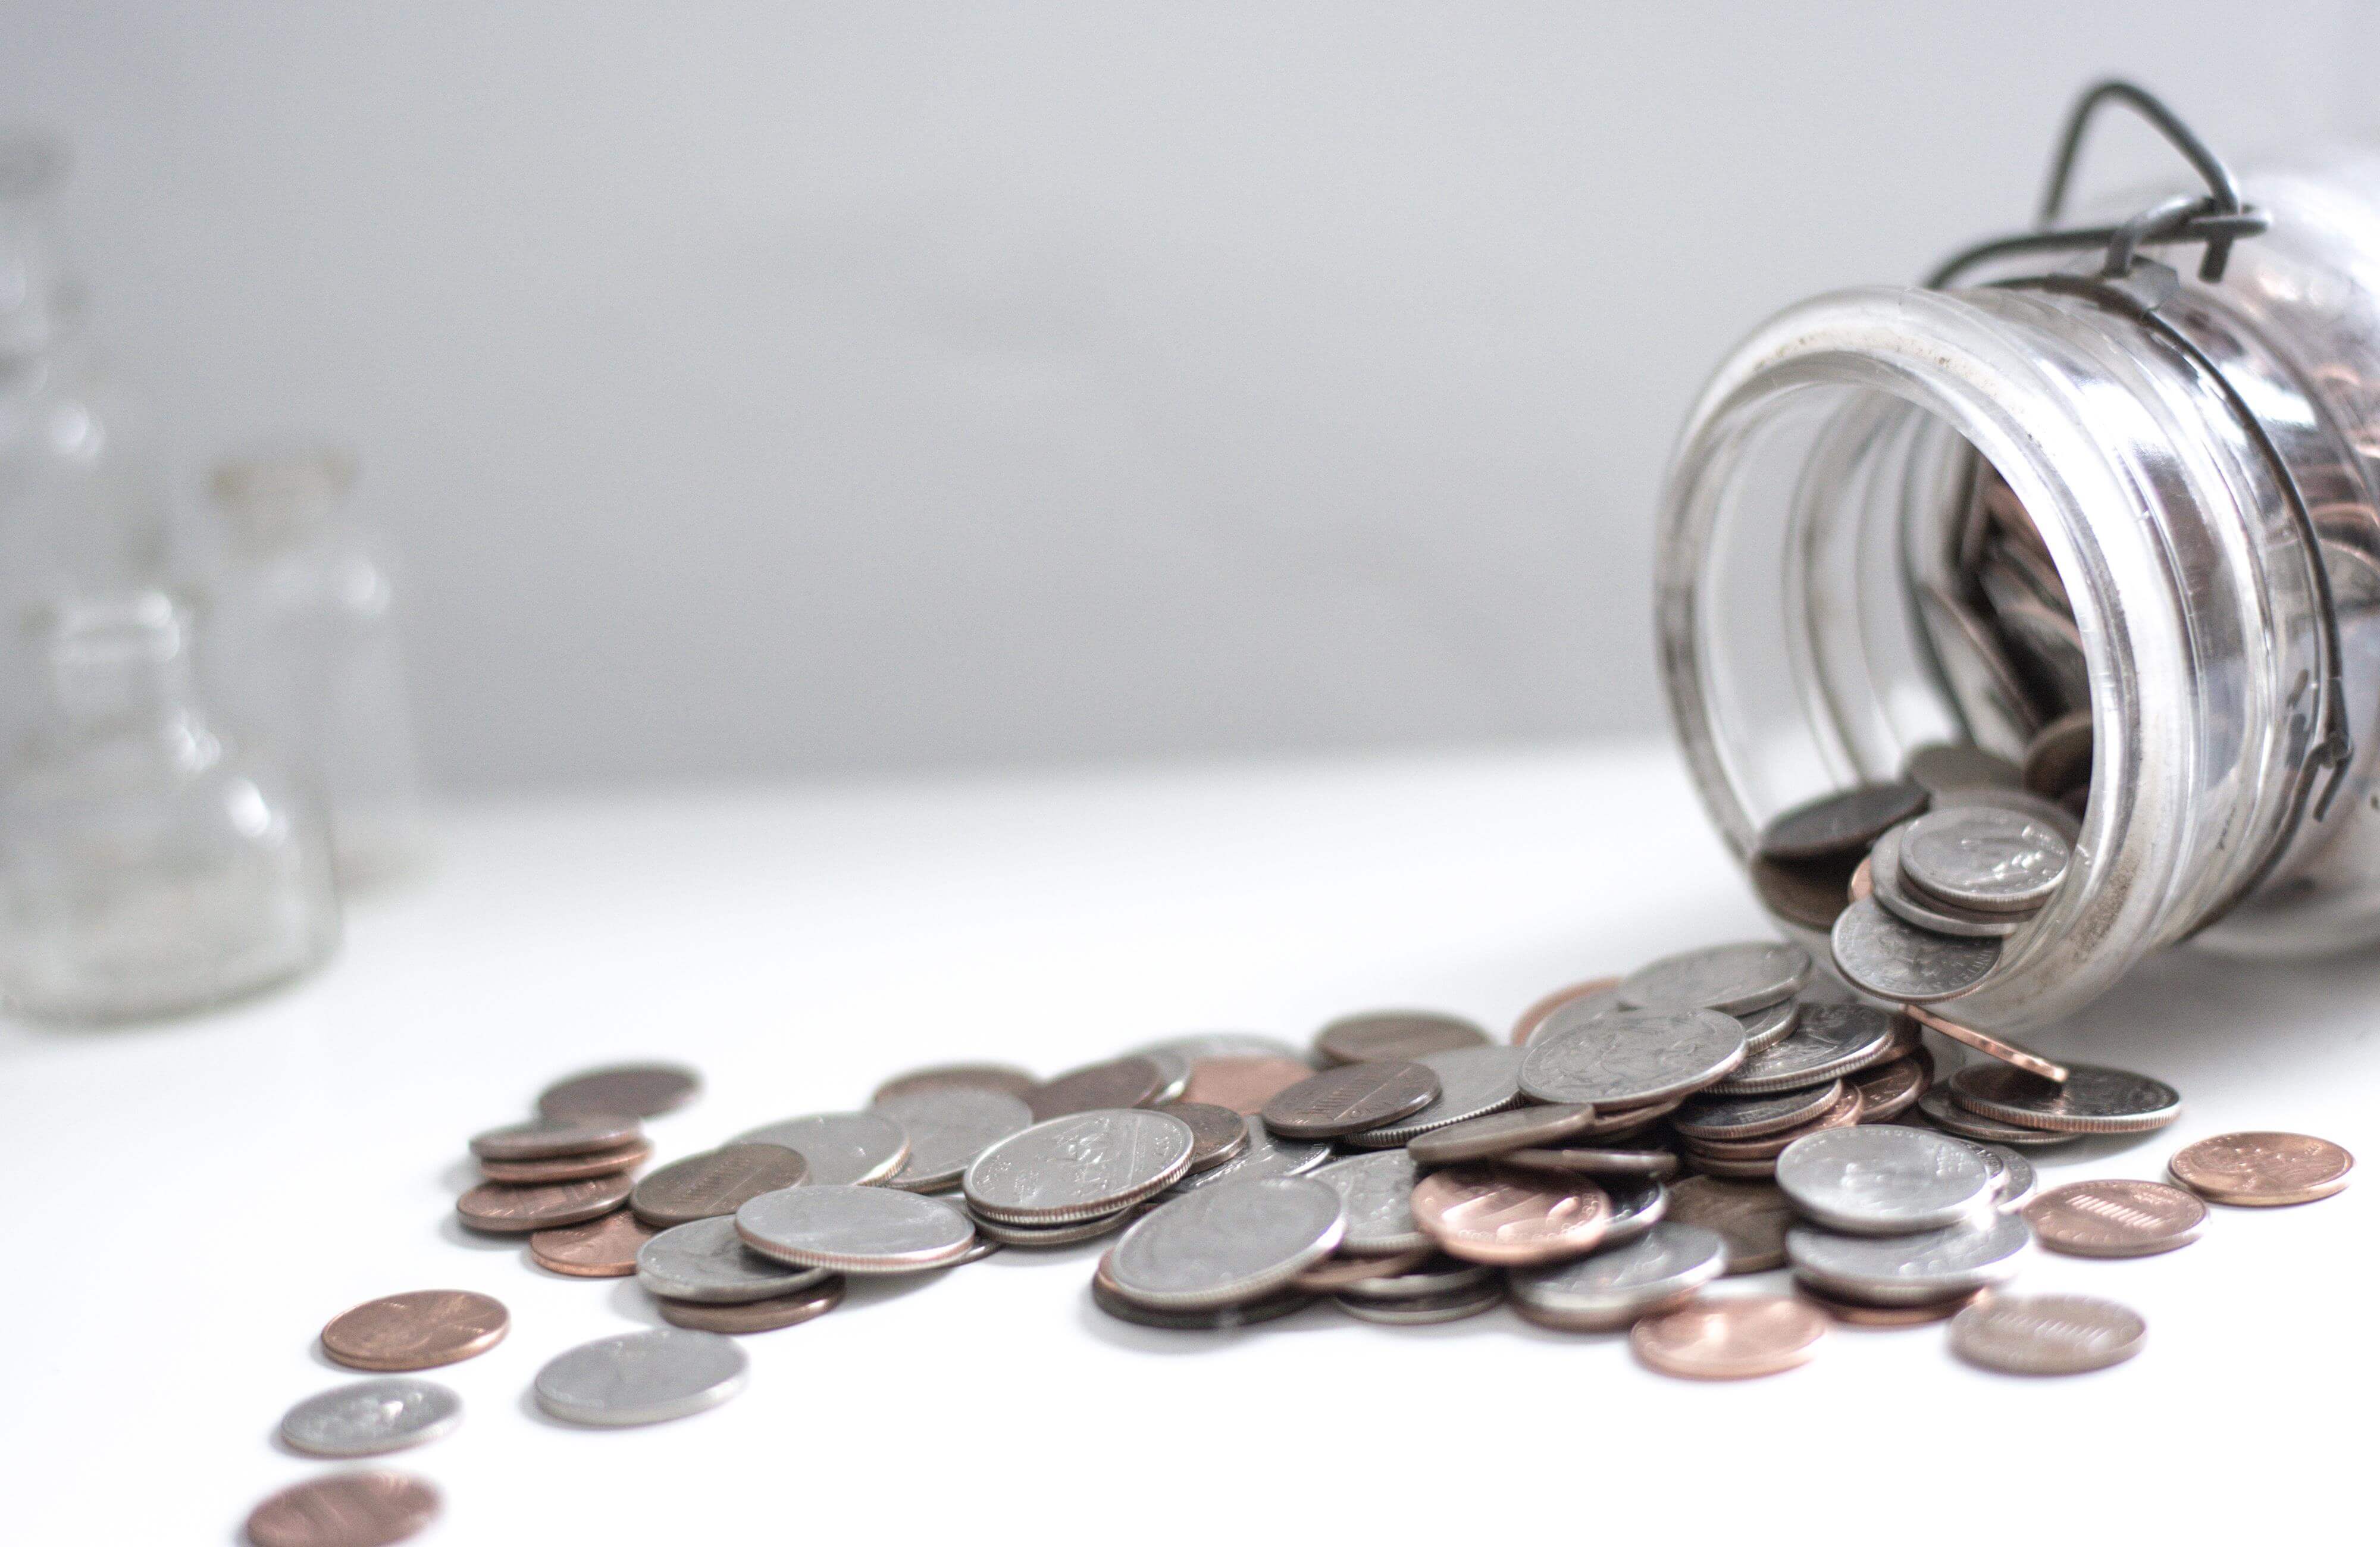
798, 387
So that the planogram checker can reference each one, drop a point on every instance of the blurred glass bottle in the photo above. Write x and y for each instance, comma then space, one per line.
314, 659
147, 864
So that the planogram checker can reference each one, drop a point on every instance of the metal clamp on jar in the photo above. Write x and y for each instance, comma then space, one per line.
2089, 546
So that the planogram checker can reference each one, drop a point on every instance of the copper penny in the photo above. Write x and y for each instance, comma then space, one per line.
1243, 1084
568, 1168
1337, 1272
1863, 881
1217, 1133
2115, 1218
546, 1137
1991, 1046
2046, 1334
1888, 1089
418, 1330
505, 1210
756, 1316
716, 1182
1352, 1097
1537, 1013
2263, 1169
1730, 1339
629, 1090
1006, 1078
1853, 1313
1494, 1214
1395, 1034
605, 1248
1750, 1216
1119, 1082
349, 1509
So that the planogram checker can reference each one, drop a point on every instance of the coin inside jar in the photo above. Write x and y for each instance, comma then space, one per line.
1984, 859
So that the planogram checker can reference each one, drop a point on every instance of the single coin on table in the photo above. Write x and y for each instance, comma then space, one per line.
2261, 1169
1730, 1339
843, 1149
1227, 1245
1840, 821
1617, 1285
1910, 1270
1948, 1115
1891, 1088
2090, 1100
1377, 1190
1351, 1098
1633, 1056
418, 1330
1243, 1084
854, 1230
2116, 1217
347, 1509
1217, 1133
568, 1168
947, 1128
502, 1209
2046, 1334
605, 1247
1985, 859
1830, 1041
641, 1377
1484, 1212
1080, 1166
1500, 1133
1878, 954
1750, 1217
1358, 1039
551, 1137
1733, 980
1990, 1045
1473, 1082
626, 1090
1596, 994
1004, 1079
372, 1417
1884, 1180
1736, 1119
706, 1259
756, 1316
716, 1182
1118, 1082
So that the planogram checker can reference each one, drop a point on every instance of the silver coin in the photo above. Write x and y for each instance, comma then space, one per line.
1515, 1128
1946, 768
1886, 1180
1984, 859
1041, 1236
1948, 1115
1439, 1275
984, 1245
1767, 1028
641, 1377
947, 1128
1265, 1156
367, 1418
2046, 1334
1891, 888
1728, 1118
1618, 1284
2014, 1182
1426, 1310
1578, 1012
1637, 1204
854, 1229
2023, 803
1910, 1270
1377, 1190
1841, 821
1228, 1245
1879, 953
1736, 978
2092, 1099
708, 1261
1472, 1082
1081, 1165
1633, 1056
1221, 1318
1196, 1045
844, 1149
1173, 1075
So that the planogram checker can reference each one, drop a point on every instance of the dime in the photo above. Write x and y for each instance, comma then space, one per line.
417, 1330
2046, 1334
1089, 1162
1730, 1339
1740, 1117
1430, 1310
844, 1148
1732, 979
2263, 1169
1637, 1205
1910, 1270
1616, 1285
641, 1377
1944, 1112
1339, 1273
1377, 1190
853, 1230
349, 1509
1001, 1078
1046, 1237
2060, 757
1583, 1161
1243, 1084
757, 1316
1853, 1313
1500, 1133
1912, 906
1830, 1042
1984, 859
1880, 955
1473, 1082
1890, 1089
2092, 1099
1223, 1317
602, 1248
1227, 1245
1596, 993
368, 1418
947, 1128
1841, 822
1633, 1056
1351, 1098
707, 1261
1944, 768
1217, 1133
547, 1138
1491, 1213
2116, 1218
624, 1090
568, 1168
1766, 1028
502, 1209
1265, 1156
1395, 1034
1750, 1216
1884, 1181
1810, 893
716, 1182
1992, 1046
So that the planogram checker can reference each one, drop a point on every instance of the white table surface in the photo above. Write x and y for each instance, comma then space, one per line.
189, 1203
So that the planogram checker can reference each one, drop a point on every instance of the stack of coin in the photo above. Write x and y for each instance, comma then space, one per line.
576, 1160
1898, 1222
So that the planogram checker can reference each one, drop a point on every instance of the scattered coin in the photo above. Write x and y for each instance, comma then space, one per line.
418, 1330
1118, 1082
1945, 768
1730, 979
1591, 1161
1265, 1156
1243, 1084
1740, 1117
1331, 1275
605, 1247
1227, 1245
1631, 1056
1042, 1238
1172, 1076
1750, 1216
568, 1168
2116, 1217
1766, 1028
1831, 1041
1351, 1098
1658, 1271
1490, 1214
548, 1138
1377, 1190
1500, 1133
1948, 1114
2014, 1182
2261, 1170
757, 1316
502, 1209
707, 1261
370, 1418
642, 1377
716, 1182
1426, 1310
999, 1079
1223, 1317
1596, 994
844, 1148
1637, 1204
1884, 1181
1984, 859
947, 1128
1992, 1046
2090, 1099
1844, 1111
1199, 1046
854, 1230
1841, 822
349, 1509
1438, 1275
1074, 1167
1395, 1034
1878, 954
1730, 1339
1217, 1133
627, 1089
1473, 1082
1890, 1089
1910, 1270
1853, 1313
2046, 1334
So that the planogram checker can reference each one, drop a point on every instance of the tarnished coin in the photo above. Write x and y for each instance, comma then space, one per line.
1946, 767
1810, 893
1616, 1285
716, 1182
1841, 822
1831, 1041
1637, 1204
2058, 758
2046, 1334
1732, 1339
549, 1137
1377, 1190
1043, 1238
1597, 994
1074, 1167
1243, 1084
2260, 1170
757, 1316
2091, 1099
1854, 1313
1118, 1082
1217, 1133
370, 1418
1334, 1275
568, 1168
844, 1148
1395, 1034
1500, 1133
1227, 1245
1890, 1089
1751, 1217
2116, 1217
1884, 1181
1948, 1115
948, 1128
1595, 1161
417, 1330
1423, 1311
624, 1090
1985, 859
499, 1208
1741, 1117
1910, 1270
1264, 1156
1841, 1113
1004, 1079
1473, 1082
1732, 979
1221, 1318
603, 1248
1484, 1212
1633, 1056
642, 1377
1894, 891
1878, 954
707, 1261
853, 1230
1991, 1045
346, 1509
1351, 1098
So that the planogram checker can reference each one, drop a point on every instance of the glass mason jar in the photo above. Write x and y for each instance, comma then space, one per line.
2199, 455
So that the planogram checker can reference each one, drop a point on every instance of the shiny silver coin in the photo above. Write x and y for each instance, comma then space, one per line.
1439, 1275
1223, 1318
1948, 768
1498, 1133
1194, 1045
1984, 859
1617, 1285
1949, 1116
708, 1261
2046, 1334
854, 1230
1227, 1245
1842, 821
1879, 953
1886, 1180
1767, 1028
1043, 1237
844, 1149
641, 1377
368, 1418
1903, 901
1740, 1117
2015, 1181
1473, 1082
2090, 1099
984, 1244
1425, 1310
1831, 1042
1633, 1056
2052, 815
1638, 1203
948, 1128
1910, 1270
1735, 979
1376, 1192
1264, 1156
1087, 1163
